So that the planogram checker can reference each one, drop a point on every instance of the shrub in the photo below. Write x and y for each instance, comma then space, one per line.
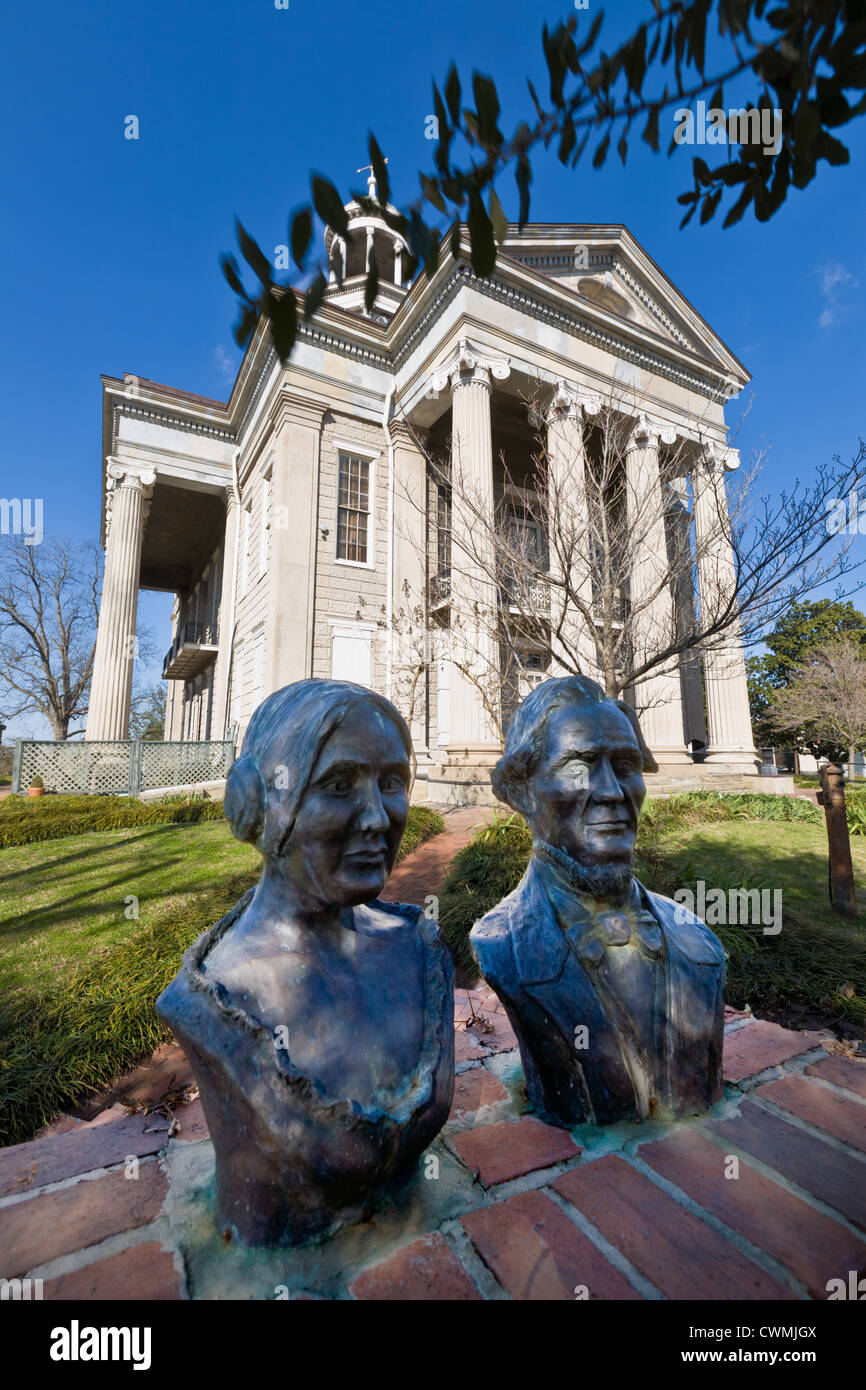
421, 825
23, 821
37, 782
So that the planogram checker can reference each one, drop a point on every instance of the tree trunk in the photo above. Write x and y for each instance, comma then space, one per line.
851, 751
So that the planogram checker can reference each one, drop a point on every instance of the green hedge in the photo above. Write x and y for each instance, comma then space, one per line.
24, 819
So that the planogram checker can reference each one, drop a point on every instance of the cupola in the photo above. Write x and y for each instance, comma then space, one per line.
349, 258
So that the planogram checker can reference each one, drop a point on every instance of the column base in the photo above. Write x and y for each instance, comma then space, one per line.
733, 759
672, 756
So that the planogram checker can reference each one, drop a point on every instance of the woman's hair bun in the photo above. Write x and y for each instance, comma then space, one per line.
244, 803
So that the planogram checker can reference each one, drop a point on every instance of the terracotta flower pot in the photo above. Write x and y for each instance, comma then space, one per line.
35, 791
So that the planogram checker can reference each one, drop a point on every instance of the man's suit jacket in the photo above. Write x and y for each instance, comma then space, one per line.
547, 990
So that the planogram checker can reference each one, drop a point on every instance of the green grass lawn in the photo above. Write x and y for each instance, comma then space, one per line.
808, 965
79, 977
812, 973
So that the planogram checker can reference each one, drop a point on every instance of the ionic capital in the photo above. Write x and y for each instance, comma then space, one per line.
649, 434
718, 458
469, 366
569, 402
125, 475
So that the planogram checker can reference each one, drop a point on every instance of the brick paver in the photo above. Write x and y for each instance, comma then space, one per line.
536, 1252
842, 1071
814, 1247
41, 1161
473, 1089
424, 872
427, 1269
43, 1227
805, 1159
508, 1150
843, 1118
680, 1254
759, 1045
145, 1272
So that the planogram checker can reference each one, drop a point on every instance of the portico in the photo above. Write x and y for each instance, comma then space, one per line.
298, 521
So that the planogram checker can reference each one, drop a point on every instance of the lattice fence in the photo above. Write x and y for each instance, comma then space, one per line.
124, 767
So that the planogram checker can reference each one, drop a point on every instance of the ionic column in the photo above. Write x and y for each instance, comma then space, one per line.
289, 631
658, 696
111, 688
729, 726
226, 615
408, 569
680, 520
568, 523
473, 584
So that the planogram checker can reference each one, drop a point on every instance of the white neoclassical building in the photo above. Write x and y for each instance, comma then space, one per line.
281, 519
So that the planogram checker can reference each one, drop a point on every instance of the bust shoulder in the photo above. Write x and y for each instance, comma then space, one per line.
686, 932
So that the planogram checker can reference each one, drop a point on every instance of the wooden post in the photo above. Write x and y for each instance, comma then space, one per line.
832, 797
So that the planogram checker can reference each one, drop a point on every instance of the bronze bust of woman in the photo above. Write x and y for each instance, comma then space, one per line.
318, 1020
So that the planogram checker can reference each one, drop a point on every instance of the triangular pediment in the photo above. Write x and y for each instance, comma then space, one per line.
604, 268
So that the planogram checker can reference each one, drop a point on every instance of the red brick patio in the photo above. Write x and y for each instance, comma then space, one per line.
536, 1212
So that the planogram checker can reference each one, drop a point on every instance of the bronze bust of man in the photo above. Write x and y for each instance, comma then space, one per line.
614, 992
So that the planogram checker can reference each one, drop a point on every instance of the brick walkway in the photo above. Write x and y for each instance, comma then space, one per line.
764, 1198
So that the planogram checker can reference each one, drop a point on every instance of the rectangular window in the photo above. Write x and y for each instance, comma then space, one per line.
353, 508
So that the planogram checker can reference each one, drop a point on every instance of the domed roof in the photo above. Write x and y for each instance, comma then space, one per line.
349, 257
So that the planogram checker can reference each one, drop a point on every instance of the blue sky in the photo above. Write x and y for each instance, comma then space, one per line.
110, 246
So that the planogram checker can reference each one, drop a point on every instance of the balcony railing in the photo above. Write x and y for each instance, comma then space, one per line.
439, 589
528, 596
193, 649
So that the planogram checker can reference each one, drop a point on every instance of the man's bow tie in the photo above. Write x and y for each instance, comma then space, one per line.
615, 929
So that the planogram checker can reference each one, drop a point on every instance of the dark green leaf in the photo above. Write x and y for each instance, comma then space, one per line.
230, 270
701, 172
591, 37
380, 169
601, 153
245, 326
315, 296
487, 107
710, 203
431, 192
635, 61
498, 218
282, 316
301, 235
739, 207
329, 206
568, 140
253, 254
453, 94
829, 148
523, 178
622, 145
651, 129
483, 245
371, 285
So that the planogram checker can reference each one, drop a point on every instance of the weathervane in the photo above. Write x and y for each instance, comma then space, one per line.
371, 182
